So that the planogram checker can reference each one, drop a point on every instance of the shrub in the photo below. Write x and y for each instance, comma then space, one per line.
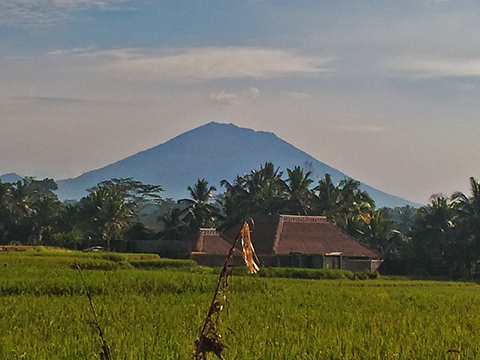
365, 275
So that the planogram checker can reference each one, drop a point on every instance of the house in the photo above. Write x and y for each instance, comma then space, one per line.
290, 241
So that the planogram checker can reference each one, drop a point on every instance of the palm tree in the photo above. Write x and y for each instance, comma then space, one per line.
174, 228
344, 203
377, 230
300, 195
468, 207
433, 233
47, 210
353, 204
327, 197
260, 192
468, 219
69, 217
199, 210
351, 194
5, 210
106, 214
404, 217
20, 198
264, 191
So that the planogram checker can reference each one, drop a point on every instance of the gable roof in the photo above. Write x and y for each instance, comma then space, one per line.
285, 234
211, 241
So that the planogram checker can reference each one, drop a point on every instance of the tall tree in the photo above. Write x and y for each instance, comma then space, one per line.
173, 225
468, 225
5, 210
432, 234
199, 211
106, 214
260, 192
44, 220
377, 230
327, 198
345, 204
109, 210
299, 194
468, 207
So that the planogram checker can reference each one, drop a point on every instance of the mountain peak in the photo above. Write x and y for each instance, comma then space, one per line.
218, 126
214, 151
10, 177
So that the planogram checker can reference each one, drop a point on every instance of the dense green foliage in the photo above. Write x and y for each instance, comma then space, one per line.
45, 314
441, 238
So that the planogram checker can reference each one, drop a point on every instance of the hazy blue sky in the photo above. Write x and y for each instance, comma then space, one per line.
387, 92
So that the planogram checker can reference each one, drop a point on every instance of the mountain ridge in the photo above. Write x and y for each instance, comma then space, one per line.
10, 177
214, 151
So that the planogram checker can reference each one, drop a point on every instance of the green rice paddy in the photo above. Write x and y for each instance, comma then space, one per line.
152, 309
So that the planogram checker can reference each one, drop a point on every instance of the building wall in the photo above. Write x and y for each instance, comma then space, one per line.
354, 264
295, 261
182, 249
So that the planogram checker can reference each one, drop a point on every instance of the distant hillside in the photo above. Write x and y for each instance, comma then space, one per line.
214, 152
10, 178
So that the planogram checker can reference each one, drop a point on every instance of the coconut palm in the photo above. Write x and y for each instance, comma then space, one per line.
21, 195
468, 207
298, 190
468, 220
260, 192
377, 230
173, 225
327, 197
5, 210
199, 212
433, 233
105, 213
47, 210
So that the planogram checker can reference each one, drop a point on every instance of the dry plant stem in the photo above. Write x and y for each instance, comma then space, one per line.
213, 308
105, 355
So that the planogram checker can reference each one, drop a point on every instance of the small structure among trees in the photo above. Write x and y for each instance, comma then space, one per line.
291, 241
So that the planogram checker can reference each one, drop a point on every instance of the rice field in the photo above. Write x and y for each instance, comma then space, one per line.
156, 313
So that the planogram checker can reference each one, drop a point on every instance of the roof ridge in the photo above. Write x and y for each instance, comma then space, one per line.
358, 241
304, 218
276, 241
208, 231
197, 243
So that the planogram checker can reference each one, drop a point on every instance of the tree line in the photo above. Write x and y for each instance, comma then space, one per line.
441, 238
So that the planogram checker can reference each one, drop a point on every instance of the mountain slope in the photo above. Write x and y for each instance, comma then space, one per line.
215, 152
10, 178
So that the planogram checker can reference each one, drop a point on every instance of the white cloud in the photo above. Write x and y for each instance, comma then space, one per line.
193, 64
198, 64
92, 52
437, 67
68, 52
233, 98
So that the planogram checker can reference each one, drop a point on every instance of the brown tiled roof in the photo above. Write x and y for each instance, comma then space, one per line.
316, 235
211, 242
285, 234
264, 229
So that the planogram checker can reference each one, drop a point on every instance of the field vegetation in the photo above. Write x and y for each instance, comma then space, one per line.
441, 238
152, 308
